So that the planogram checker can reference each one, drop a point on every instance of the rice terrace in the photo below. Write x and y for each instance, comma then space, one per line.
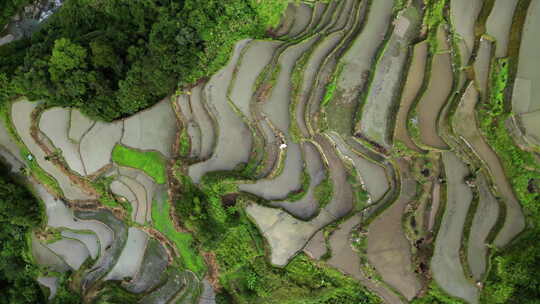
270, 151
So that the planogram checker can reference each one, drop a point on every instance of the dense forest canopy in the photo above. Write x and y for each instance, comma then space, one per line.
9, 9
114, 58
19, 214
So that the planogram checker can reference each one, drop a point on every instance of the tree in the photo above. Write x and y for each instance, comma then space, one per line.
514, 277
114, 58
19, 214
69, 71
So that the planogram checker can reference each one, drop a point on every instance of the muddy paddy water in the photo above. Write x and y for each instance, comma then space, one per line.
499, 22
308, 205
527, 88
514, 222
446, 263
483, 221
234, 137
413, 83
463, 14
383, 90
21, 117
54, 123
436, 94
388, 248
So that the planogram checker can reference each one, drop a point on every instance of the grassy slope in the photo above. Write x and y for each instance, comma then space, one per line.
154, 165
513, 276
150, 162
183, 241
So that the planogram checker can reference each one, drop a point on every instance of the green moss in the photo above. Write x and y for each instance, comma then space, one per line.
151, 162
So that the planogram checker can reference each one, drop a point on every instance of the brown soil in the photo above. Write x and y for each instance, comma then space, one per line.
213, 269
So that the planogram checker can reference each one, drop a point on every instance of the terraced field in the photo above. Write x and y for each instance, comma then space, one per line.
351, 138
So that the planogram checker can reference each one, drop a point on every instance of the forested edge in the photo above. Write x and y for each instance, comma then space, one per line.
114, 58
21, 214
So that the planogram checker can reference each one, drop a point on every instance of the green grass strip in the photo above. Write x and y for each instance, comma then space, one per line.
183, 241
152, 163
324, 191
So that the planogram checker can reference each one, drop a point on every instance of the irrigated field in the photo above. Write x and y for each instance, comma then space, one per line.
345, 158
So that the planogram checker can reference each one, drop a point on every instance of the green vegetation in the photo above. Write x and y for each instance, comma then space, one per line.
20, 214
331, 87
115, 58
300, 193
412, 126
33, 167
201, 209
499, 82
513, 276
183, 241
112, 293
361, 195
296, 84
521, 167
216, 214
17, 272
361, 198
102, 186
9, 9
248, 278
184, 143
151, 162
433, 18
436, 295
435, 13
324, 191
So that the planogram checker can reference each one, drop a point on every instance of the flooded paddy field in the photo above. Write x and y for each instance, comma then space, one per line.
484, 220
446, 265
321, 141
234, 137
388, 249
152, 267
463, 18
379, 104
415, 78
499, 22
307, 206
436, 94
514, 221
